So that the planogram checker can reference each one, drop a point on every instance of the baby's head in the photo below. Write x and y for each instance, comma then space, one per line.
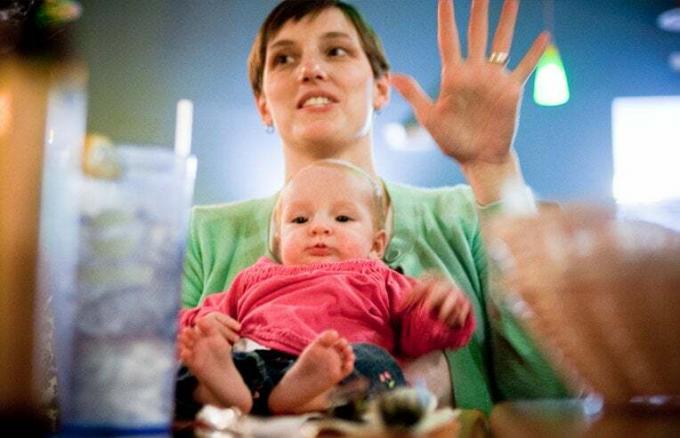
330, 211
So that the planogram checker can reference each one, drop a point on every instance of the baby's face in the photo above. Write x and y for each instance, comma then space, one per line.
326, 216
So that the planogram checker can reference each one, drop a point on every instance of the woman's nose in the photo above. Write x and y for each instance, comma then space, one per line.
311, 70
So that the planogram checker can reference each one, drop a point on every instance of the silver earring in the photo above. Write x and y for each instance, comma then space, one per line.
269, 128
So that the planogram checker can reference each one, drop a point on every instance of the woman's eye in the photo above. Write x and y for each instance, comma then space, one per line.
337, 51
282, 59
343, 218
299, 220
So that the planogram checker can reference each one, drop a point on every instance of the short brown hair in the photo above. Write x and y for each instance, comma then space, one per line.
296, 10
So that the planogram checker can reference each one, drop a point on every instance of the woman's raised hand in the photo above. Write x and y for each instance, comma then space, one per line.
473, 120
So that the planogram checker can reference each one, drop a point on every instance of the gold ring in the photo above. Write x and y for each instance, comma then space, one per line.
500, 58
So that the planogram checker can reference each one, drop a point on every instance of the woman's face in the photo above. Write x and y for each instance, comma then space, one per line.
318, 87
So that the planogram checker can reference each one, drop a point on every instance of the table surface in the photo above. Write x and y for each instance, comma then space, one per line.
577, 418
554, 419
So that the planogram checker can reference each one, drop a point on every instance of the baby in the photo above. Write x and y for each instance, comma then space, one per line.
327, 311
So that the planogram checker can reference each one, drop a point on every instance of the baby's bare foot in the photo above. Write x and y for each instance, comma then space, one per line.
305, 387
212, 364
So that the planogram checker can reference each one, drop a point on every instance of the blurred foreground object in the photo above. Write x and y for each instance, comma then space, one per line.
34, 53
601, 295
404, 411
23, 93
573, 419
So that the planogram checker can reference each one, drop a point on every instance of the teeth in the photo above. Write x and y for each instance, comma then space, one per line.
316, 101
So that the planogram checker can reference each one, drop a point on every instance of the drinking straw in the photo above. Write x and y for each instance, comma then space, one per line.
183, 122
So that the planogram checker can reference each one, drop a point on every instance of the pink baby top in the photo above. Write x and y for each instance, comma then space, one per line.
286, 307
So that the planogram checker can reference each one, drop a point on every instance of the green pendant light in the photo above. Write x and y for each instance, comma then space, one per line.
551, 87
550, 83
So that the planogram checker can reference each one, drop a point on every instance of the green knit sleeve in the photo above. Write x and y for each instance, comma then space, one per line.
192, 280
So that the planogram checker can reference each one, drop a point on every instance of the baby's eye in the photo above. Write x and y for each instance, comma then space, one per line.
343, 218
299, 220
336, 51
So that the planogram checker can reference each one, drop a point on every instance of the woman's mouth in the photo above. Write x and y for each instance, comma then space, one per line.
316, 100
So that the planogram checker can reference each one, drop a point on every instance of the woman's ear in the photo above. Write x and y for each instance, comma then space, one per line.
381, 92
379, 244
263, 109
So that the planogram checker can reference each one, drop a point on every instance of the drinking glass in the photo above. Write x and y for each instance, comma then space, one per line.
118, 359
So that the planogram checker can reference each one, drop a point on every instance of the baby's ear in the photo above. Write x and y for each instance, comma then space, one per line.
276, 246
379, 244
275, 231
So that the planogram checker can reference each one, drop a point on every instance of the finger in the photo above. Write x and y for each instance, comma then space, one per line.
462, 314
438, 293
448, 309
231, 336
478, 29
229, 322
227, 333
425, 287
414, 95
206, 326
528, 63
502, 39
447, 33
465, 312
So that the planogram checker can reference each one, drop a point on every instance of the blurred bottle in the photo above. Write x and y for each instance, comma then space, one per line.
35, 59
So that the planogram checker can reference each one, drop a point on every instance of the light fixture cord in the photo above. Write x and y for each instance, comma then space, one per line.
549, 15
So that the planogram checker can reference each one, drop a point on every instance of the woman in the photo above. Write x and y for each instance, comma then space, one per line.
318, 73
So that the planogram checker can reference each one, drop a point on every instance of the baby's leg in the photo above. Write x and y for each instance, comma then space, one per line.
305, 387
208, 356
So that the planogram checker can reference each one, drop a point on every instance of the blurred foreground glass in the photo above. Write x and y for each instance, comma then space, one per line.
116, 326
601, 295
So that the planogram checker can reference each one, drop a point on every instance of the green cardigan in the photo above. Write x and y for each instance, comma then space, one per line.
433, 229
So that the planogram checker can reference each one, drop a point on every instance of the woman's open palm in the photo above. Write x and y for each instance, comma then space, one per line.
473, 120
